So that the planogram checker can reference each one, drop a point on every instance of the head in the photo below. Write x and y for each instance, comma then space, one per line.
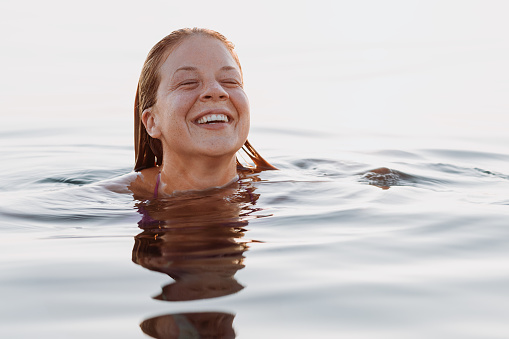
149, 150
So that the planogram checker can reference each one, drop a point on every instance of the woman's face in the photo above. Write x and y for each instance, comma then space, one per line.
201, 107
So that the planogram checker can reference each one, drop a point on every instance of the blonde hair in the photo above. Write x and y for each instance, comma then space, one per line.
148, 151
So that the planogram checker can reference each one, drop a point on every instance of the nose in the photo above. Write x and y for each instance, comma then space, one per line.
214, 91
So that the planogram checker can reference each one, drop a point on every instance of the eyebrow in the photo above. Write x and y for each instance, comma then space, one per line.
228, 68
186, 68
191, 68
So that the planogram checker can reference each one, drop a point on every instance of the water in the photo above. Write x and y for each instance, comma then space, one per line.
330, 245
388, 216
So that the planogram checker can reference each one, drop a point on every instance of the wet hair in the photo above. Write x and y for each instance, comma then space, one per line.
149, 151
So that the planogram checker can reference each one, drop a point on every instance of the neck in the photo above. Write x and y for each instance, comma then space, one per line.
196, 174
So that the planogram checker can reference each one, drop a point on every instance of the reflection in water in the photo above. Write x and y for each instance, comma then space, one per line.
190, 325
197, 239
202, 261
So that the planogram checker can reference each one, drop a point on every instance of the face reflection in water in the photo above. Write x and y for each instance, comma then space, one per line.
196, 239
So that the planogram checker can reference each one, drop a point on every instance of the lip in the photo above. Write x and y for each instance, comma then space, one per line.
210, 112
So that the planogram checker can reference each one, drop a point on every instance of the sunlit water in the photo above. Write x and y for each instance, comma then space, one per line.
339, 242
388, 216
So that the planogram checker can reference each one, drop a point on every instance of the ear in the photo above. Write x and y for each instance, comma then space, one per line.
149, 119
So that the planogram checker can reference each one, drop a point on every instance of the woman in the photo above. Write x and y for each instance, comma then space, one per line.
191, 115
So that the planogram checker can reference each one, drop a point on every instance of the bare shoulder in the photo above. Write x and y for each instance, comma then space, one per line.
140, 184
143, 184
118, 184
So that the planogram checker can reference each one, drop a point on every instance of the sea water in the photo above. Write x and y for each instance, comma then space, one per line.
341, 241
388, 216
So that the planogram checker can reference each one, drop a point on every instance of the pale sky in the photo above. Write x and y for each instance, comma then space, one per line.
430, 68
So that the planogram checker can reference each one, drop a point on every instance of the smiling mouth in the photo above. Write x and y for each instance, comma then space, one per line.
213, 119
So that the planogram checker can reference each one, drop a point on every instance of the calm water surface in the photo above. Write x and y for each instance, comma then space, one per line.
326, 247
388, 218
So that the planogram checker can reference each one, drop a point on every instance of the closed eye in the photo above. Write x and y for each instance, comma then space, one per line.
188, 83
231, 82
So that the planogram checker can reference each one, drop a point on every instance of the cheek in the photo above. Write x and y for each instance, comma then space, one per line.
174, 109
241, 103
244, 114
179, 105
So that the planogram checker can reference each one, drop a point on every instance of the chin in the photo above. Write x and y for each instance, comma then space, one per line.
216, 153
219, 149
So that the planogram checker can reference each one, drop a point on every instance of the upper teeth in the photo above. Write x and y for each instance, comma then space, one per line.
212, 117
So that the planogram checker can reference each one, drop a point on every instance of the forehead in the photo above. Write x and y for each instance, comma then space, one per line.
198, 51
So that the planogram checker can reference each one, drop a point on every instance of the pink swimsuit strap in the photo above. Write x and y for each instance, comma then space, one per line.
158, 181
